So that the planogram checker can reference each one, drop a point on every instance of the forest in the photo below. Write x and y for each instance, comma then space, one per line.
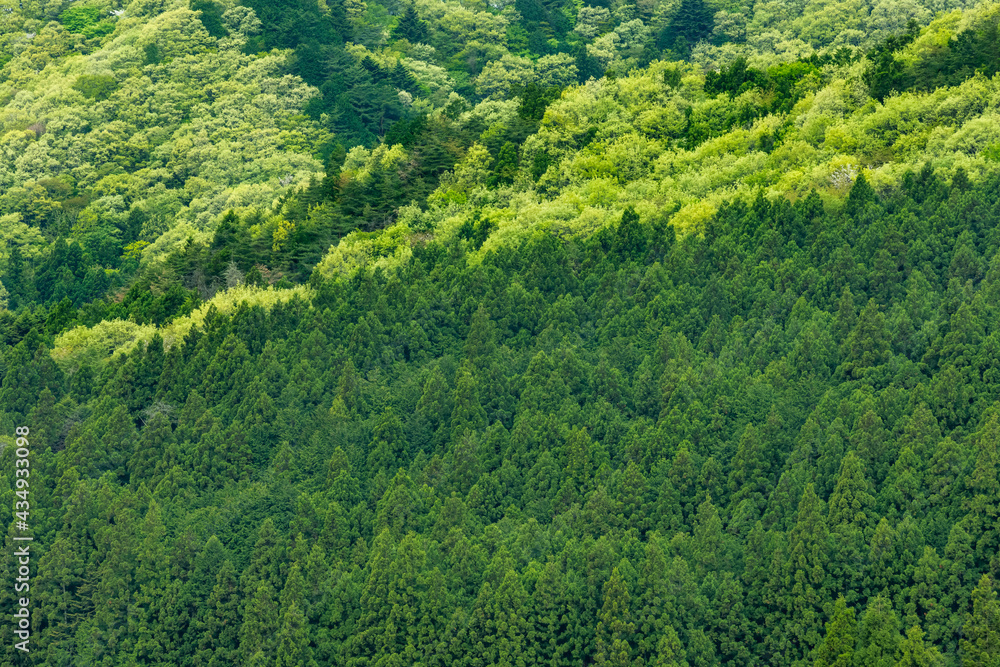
380, 333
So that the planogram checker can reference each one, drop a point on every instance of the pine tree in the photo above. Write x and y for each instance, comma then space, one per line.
505, 169
851, 523
410, 27
809, 545
980, 645
691, 23
984, 483
468, 414
293, 648
219, 639
837, 648
260, 625
615, 628
868, 344
878, 635
916, 652
669, 651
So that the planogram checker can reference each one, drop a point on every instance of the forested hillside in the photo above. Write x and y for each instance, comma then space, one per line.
510, 333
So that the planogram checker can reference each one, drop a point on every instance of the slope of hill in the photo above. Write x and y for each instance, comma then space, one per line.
494, 334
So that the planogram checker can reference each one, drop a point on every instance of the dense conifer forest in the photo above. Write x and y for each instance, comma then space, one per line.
460, 333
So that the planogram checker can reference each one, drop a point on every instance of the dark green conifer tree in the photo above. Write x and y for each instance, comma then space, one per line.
879, 639
261, 623
809, 549
851, 521
837, 648
980, 643
219, 640
410, 27
915, 652
615, 627
691, 23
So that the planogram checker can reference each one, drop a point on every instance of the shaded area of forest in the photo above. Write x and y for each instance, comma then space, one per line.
776, 443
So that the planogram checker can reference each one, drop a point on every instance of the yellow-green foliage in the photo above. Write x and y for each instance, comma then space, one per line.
171, 240
362, 165
618, 143
369, 250
97, 344
82, 346
197, 130
13, 232
227, 302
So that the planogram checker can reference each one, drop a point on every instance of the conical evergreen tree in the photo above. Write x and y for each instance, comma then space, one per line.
669, 651
261, 623
691, 23
265, 562
481, 341
498, 626
219, 641
150, 447
749, 476
984, 483
387, 450
151, 580
980, 645
615, 626
549, 618
868, 344
293, 649
903, 490
837, 648
468, 414
852, 510
711, 544
873, 445
410, 27
915, 651
375, 635
879, 639
809, 545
